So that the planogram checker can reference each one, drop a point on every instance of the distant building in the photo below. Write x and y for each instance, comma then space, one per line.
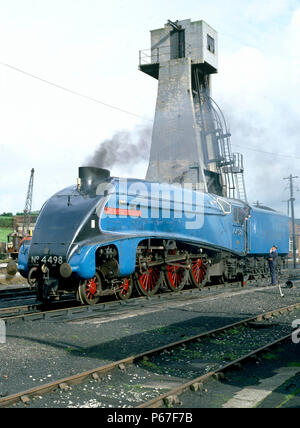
18, 223
297, 231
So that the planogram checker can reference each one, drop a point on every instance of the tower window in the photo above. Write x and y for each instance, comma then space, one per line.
210, 44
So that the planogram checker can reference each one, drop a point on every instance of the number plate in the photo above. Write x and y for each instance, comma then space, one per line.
51, 260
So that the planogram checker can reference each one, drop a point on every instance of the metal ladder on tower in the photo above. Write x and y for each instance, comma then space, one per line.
227, 165
233, 169
240, 185
239, 177
230, 164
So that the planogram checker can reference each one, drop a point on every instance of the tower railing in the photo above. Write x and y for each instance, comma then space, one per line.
163, 54
154, 55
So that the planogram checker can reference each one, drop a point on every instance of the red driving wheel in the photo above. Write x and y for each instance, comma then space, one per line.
89, 290
125, 289
149, 282
198, 272
175, 277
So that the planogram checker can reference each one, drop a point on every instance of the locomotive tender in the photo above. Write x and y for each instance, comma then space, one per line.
109, 236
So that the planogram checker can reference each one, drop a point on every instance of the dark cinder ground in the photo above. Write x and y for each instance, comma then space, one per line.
41, 351
216, 393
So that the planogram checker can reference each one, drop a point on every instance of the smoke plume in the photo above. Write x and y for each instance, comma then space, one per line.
125, 147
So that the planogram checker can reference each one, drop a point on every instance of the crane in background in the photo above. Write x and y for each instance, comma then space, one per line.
15, 239
28, 205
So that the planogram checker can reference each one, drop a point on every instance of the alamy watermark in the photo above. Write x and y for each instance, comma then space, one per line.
2, 332
153, 201
296, 333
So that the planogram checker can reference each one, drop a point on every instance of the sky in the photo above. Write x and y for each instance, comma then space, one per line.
91, 47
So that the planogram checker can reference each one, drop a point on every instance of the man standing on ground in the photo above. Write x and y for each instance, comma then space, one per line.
273, 263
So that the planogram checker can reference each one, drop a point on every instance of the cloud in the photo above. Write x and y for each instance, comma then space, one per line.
258, 90
267, 10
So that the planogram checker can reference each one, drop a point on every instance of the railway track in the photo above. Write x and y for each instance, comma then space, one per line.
66, 310
36, 311
16, 293
170, 397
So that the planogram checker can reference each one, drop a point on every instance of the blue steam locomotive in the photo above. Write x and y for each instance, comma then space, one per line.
110, 236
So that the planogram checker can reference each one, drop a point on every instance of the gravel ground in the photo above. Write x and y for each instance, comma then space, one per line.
149, 378
7, 281
252, 376
39, 352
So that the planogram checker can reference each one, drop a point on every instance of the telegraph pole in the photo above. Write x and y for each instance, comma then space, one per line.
292, 200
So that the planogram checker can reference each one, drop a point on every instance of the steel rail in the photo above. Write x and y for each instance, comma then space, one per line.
24, 312
172, 395
16, 311
35, 312
76, 379
15, 291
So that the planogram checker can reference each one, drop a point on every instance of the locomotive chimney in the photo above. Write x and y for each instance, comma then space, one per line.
90, 177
